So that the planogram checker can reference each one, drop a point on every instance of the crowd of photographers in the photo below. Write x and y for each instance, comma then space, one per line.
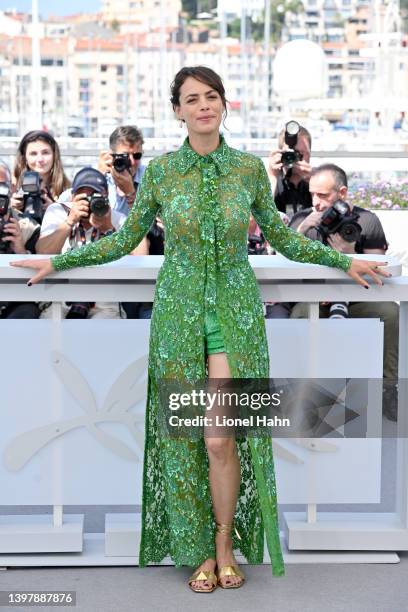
41, 212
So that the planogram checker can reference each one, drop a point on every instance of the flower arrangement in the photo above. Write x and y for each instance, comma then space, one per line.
382, 195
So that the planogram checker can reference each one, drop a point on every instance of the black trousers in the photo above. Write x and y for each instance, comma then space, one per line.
20, 310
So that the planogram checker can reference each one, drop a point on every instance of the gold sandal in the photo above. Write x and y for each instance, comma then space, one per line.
203, 575
229, 570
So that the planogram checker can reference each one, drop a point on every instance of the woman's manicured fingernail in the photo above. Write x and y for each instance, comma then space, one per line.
29, 283
366, 286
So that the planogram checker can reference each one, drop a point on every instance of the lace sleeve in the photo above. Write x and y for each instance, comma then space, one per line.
117, 245
284, 239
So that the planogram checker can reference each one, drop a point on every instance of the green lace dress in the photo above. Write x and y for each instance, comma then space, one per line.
205, 203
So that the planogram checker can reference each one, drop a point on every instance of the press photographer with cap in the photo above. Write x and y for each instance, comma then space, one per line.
82, 215
289, 169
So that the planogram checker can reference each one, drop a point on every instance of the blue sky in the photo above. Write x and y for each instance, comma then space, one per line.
55, 7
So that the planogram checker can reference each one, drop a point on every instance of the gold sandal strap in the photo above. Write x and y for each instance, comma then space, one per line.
203, 575
230, 570
225, 528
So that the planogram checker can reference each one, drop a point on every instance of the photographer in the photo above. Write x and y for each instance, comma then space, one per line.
289, 169
124, 170
123, 167
18, 235
38, 173
350, 229
82, 215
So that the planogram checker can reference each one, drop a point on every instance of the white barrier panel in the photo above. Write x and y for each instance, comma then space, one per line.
73, 403
84, 445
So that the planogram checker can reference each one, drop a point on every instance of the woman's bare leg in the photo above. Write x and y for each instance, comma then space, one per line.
224, 477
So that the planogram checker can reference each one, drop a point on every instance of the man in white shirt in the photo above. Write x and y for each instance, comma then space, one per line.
123, 167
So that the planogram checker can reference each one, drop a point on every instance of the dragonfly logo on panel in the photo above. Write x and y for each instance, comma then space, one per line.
127, 391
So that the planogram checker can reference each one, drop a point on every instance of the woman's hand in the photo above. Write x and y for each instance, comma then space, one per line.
359, 267
17, 201
42, 266
46, 198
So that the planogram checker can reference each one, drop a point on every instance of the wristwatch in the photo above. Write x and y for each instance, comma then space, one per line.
108, 232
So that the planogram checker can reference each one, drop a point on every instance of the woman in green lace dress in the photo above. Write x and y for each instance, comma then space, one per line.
207, 321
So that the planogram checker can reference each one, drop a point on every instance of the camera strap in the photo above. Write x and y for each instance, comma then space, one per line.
78, 232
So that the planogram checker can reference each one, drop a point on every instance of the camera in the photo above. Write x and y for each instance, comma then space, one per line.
339, 310
291, 156
256, 245
339, 219
78, 310
98, 204
121, 161
4, 199
5, 247
31, 187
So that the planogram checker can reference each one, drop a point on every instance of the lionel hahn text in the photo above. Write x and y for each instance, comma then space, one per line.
254, 420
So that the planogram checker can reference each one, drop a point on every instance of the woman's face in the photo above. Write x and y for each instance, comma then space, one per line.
39, 157
200, 106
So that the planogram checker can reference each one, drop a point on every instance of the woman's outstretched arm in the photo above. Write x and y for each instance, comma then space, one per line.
107, 249
295, 246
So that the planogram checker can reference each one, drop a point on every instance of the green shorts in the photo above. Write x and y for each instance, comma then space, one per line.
214, 342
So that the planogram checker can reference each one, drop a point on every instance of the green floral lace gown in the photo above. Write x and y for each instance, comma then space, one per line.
205, 203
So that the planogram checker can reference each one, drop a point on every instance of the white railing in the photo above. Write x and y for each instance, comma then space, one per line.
58, 376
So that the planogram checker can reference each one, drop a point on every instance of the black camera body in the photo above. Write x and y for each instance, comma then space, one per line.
121, 161
4, 199
291, 156
98, 204
78, 310
5, 247
31, 187
256, 245
340, 219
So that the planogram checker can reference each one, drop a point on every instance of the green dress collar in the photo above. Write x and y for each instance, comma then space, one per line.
186, 157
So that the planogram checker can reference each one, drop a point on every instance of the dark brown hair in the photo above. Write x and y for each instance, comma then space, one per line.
58, 181
200, 73
126, 134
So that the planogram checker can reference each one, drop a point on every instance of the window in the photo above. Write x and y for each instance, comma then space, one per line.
84, 83
104, 68
49, 61
25, 61
119, 70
